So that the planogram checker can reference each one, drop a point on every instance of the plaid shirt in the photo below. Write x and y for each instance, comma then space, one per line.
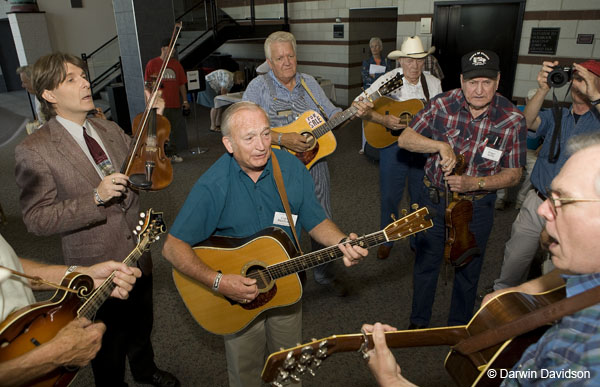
569, 351
447, 118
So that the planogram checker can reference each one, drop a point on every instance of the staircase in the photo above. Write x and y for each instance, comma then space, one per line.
205, 28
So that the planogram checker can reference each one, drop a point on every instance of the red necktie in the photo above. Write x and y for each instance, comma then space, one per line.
98, 154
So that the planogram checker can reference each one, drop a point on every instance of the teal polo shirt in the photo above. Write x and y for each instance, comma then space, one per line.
225, 201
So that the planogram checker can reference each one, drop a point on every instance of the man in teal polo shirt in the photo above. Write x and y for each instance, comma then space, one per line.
237, 197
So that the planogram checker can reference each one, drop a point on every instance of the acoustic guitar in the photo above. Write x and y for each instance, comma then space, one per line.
291, 364
270, 257
377, 135
318, 132
38, 323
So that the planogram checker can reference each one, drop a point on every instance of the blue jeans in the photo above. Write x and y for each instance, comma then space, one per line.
429, 257
395, 165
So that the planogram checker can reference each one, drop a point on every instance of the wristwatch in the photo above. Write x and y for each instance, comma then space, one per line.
481, 183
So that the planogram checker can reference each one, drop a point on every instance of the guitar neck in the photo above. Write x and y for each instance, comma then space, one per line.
321, 257
95, 301
341, 118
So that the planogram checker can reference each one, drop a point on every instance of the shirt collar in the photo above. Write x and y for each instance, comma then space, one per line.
74, 128
278, 82
240, 172
579, 283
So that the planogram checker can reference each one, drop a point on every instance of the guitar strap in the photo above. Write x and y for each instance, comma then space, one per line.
425, 87
528, 322
281, 188
313, 97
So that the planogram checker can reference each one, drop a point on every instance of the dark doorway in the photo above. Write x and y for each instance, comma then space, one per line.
8, 59
463, 26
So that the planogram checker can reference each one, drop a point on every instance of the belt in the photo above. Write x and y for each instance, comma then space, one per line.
540, 195
465, 196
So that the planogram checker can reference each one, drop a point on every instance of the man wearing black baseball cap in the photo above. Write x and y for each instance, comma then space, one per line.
489, 132
174, 92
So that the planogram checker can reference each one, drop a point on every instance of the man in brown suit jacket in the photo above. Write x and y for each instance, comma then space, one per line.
65, 172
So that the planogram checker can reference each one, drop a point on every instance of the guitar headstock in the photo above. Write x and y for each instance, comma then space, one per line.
409, 224
150, 226
289, 365
392, 84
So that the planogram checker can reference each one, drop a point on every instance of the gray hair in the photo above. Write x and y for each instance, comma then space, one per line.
229, 113
375, 39
24, 70
279, 36
584, 141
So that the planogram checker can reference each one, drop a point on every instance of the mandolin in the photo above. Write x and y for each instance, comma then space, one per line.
36, 324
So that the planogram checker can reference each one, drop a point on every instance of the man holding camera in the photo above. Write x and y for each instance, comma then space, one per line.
582, 117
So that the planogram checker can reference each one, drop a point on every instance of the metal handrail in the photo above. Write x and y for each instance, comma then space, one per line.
99, 48
189, 10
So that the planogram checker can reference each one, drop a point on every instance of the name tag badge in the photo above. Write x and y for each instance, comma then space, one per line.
491, 154
284, 113
280, 219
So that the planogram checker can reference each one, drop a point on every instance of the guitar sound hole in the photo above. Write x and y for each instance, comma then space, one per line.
257, 272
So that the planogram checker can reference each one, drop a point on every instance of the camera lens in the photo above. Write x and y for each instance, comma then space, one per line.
559, 76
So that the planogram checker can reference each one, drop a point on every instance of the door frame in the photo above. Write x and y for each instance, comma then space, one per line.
437, 10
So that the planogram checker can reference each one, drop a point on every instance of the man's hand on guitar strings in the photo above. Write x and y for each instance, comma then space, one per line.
352, 254
363, 107
239, 288
296, 142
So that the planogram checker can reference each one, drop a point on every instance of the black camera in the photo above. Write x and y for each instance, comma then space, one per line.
559, 76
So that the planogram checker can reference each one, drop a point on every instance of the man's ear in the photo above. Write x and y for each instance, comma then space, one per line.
228, 143
49, 96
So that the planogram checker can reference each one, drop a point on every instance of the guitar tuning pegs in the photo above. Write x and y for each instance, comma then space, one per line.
414, 206
141, 222
404, 212
142, 214
393, 217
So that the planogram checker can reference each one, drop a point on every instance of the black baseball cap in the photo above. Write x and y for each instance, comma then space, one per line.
480, 63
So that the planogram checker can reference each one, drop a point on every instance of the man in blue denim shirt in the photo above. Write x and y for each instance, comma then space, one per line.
567, 354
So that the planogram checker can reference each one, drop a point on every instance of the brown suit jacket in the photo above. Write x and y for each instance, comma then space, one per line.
57, 180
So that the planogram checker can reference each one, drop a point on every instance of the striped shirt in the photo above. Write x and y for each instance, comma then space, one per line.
502, 127
569, 352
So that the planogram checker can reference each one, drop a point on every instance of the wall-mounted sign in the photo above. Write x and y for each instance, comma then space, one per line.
338, 30
585, 38
193, 78
544, 40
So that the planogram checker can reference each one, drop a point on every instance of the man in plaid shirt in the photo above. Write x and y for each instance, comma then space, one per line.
490, 132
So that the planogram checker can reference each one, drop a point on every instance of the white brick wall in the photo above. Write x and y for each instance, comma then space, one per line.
525, 78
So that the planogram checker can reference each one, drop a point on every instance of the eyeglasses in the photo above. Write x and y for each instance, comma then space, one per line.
556, 201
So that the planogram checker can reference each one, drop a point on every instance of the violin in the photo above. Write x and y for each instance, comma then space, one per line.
147, 165
460, 247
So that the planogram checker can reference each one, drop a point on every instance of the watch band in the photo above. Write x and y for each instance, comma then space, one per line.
595, 102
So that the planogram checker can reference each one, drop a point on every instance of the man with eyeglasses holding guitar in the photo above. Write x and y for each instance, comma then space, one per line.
581, 117
572, 215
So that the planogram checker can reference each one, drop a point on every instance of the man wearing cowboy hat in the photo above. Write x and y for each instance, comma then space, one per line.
489, 131
396, 164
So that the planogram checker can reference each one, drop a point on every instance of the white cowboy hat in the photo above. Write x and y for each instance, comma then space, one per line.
263, 68
411, 48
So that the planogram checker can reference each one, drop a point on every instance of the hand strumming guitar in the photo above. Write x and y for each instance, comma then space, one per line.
293, 141
238, 288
